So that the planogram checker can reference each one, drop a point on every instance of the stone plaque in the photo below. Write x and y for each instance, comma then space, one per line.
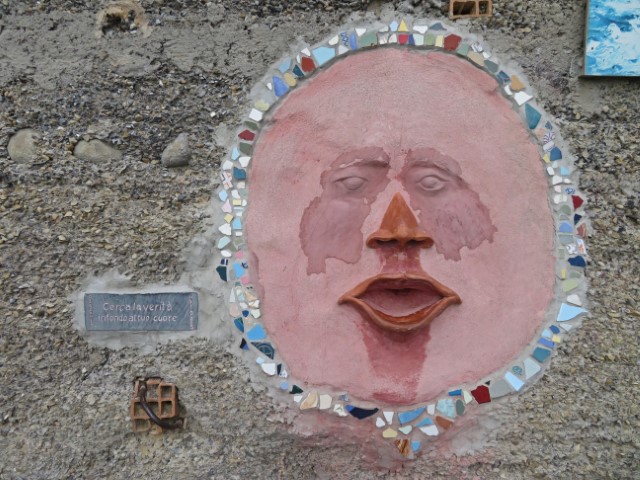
166, 311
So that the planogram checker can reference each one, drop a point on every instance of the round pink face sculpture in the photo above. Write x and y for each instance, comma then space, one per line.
399, 227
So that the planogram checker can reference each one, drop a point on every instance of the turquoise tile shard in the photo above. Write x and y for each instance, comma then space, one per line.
533, 116
569, 312
410, 416
297, 71
530, 368
239, 173
517, 370
323, 54
514, 381
491, 66
445, 405
541, 354
368, 40
279, 87
503, 77
459, 407
437, 27
462, 49
256, 334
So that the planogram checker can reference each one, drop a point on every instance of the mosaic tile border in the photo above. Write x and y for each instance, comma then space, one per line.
408, 428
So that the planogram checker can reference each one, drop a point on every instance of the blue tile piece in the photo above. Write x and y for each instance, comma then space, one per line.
455, 393
437, 26
514, 381
279, 87
410, 416
297, 71
412, 40
577, 262
235, 153
445, 405
569, 191
569, 312
555, 154
517, 370
361, 413
239, 173
244, 345
576, 218
284, 386
533, 116
548, 126
236, 224
547, 343
415, 445
239, 324
284, 66
279, 368
541, 354
503, 77
424, 422
546, 333
564, 171
554, 329
394, 26
222, 272
353, 42
323, 54
238, 270
265, 348
223, 195
565, 227
245, 313
256, 334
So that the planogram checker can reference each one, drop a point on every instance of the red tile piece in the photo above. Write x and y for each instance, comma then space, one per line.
577, 201
444, 423
307, 65
403, 39
247, 135
451, 42
582, 231
481, 394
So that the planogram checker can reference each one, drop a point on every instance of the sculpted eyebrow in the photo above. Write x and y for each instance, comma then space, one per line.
366, 156
429, 157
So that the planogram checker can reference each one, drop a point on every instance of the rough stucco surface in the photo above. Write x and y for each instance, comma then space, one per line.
64, 402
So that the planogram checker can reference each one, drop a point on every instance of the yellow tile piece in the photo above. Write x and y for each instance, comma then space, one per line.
403, 27
237, 202
556, 339
310, 402
546, 158
389, 433
290, 79
516, 84
262, 105
228, 217
563, 273
440, 41
476, 58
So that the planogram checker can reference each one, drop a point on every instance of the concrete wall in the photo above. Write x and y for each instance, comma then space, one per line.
64, 402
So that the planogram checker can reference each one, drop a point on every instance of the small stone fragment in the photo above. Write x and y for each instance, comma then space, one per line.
96, 151
22, 146
177, 153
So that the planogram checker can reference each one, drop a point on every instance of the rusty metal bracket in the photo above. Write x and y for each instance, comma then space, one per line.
154, 406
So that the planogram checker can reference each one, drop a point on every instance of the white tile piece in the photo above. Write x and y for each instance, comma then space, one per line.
255, 115
556, 180
550, 171
406, 429
388, 417
384, 29
467, 396
393, 38
574, 299
334, 40
431, 430
431, 409
225, 229
256, 313
225, 253
360, 31
339, 409
486, 55
421, 29
418, 39
297, 398
244, 161
507, 90
521, 98
380, 422
306, 51
531, 367
342, 49
566, 327
227, 165
269, 368
382, 40
226, 207
325, 402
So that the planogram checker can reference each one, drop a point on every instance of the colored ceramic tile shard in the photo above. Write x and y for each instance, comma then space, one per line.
239, 323
530, 368
244, 148
443, 422
256, 333
353, 41
516, 84
311, 401
476, 58
389, 433
541, 354
491, 66
247, 135
403, 27
565, 228
546, 343
455, 393
380, 422
503, 77
307, 64
451, 42
297, 71
430, 39
569, 312
265, 348
517, 370
280, 88
459, 407
295, 389
239, 173
361, 413
514, 381
481, 394
554, 329
368, 40
445, 405
244, 345
388, 416
394, 26
577, 262
570, 284
431, 430
403, 447
462, 50
290, 79
403, 39
406, 429
323, 54
533, 116
222, 272
415, 446
499, 388
411, 415
424, 422
437, 26
576, 219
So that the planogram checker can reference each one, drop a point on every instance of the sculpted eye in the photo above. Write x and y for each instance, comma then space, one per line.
431, 183
352, 184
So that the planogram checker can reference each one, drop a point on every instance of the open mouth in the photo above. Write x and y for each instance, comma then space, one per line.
401, 302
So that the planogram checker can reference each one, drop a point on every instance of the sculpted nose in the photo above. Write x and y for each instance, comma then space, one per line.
399, 227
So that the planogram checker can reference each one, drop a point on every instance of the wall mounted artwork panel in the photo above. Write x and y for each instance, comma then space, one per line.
612, 46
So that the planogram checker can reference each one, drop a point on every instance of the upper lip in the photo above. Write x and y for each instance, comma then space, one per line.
411, 300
